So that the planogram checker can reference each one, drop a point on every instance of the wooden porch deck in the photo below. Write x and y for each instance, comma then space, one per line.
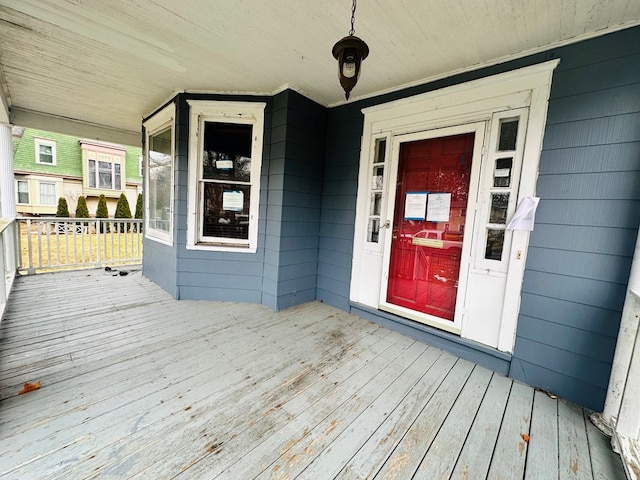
137, 385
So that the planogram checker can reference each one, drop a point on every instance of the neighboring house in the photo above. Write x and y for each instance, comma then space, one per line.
48, 166
278, 200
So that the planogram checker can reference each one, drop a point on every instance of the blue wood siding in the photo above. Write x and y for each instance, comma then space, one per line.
580, 252
294, 199
586, 225
207, 275
283, 271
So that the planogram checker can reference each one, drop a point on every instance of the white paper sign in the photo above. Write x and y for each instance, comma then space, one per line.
414, 205
525, 214
233, 200
438, 207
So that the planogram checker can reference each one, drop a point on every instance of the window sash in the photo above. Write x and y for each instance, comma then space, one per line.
242, 162
23, 191
106, 175
45, 152
48, 194
159, 176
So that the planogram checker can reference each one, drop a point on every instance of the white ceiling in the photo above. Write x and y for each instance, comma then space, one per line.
109, 62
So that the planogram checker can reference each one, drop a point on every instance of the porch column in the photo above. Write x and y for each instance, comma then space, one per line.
606, 420
7, 189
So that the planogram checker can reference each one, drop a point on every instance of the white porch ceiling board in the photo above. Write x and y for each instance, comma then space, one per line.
112, 62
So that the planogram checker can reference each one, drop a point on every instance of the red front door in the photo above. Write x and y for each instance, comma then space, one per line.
428, 224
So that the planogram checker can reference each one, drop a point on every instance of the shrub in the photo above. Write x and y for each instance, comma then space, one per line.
122, 208
63, 208
139, 206
102, 211
139, 209
123, 211
81, 209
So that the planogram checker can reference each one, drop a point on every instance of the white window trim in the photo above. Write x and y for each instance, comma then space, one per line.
163, 119
113, 163
39, 192
24, 180
47, 143
227, 112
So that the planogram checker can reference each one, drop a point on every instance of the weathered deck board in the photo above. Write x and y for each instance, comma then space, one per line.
542, 458
138, 385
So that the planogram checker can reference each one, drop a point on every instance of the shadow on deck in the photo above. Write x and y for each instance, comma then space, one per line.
135, 384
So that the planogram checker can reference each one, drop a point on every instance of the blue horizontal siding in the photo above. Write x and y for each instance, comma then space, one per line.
593, 239
587, 221
601, 321
606, 268
619, 157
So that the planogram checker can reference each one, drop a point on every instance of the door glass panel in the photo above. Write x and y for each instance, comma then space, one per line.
378, 178
377, 184
373, 230
499, 205
508, 134
376, 203
495, 243
381, 148
429, 218
502, 172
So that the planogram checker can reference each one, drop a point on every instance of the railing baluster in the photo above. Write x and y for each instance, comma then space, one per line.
29, 247
114, 242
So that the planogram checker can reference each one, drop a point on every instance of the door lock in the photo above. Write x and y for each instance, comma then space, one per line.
387, 224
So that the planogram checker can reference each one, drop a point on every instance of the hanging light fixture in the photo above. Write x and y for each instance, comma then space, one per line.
350, 51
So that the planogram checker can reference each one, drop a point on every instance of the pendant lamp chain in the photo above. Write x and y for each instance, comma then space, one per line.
353, 18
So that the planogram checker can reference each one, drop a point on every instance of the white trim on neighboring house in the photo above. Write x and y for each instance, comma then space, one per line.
467, 103
57, 188
18, 192
201, 112
160, 121
42, 142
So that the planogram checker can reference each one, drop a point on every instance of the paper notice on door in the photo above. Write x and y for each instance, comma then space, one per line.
525, 214
415, 204
438, 207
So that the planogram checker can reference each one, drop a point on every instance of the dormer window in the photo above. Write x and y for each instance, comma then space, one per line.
45, 151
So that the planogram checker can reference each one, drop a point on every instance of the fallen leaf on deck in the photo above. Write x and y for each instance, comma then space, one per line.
525, 437
29, 387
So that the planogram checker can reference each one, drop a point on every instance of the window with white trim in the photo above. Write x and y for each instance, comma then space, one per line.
22, 190
45, 151
159, 178
104, 174
225, 157
47, 194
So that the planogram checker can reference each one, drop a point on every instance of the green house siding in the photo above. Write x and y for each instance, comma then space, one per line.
68, 156
132, 167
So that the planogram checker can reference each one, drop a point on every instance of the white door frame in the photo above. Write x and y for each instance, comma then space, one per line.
466, 103
478, 129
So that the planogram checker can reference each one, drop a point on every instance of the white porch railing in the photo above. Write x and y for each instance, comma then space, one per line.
52, 243
626, 435
8, 257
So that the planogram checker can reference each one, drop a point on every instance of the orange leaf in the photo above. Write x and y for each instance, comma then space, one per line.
525, 437
29, 387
